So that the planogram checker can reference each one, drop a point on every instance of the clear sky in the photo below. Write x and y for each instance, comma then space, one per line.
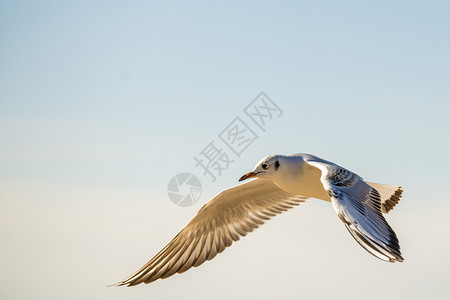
101, 104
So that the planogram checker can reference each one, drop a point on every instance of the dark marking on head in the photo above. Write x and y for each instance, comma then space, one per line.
277, 165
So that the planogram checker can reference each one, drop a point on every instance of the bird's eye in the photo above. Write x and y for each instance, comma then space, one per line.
264, 166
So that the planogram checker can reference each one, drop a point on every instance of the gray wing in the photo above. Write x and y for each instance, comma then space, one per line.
223, 220
358, 205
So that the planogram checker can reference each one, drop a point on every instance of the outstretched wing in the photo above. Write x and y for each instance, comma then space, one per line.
223, 220
358, 205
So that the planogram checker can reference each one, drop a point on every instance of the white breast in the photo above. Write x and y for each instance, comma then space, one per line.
302, 179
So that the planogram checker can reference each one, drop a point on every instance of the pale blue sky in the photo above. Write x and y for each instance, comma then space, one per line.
102, 103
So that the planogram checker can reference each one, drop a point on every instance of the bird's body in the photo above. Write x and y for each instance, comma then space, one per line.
297, 177
283, 181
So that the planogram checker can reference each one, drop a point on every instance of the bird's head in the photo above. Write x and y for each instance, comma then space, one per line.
266, 168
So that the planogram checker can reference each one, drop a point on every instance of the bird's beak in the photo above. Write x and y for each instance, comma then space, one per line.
247, 176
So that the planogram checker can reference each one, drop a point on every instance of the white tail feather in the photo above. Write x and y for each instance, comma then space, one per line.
390, 195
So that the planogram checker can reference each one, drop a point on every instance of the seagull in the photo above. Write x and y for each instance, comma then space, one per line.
280, 183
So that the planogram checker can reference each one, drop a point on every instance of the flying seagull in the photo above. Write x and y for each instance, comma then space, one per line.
281, 182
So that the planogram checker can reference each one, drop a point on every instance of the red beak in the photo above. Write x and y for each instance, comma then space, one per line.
247, 176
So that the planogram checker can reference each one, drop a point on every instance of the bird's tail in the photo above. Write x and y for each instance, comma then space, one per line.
390, 195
